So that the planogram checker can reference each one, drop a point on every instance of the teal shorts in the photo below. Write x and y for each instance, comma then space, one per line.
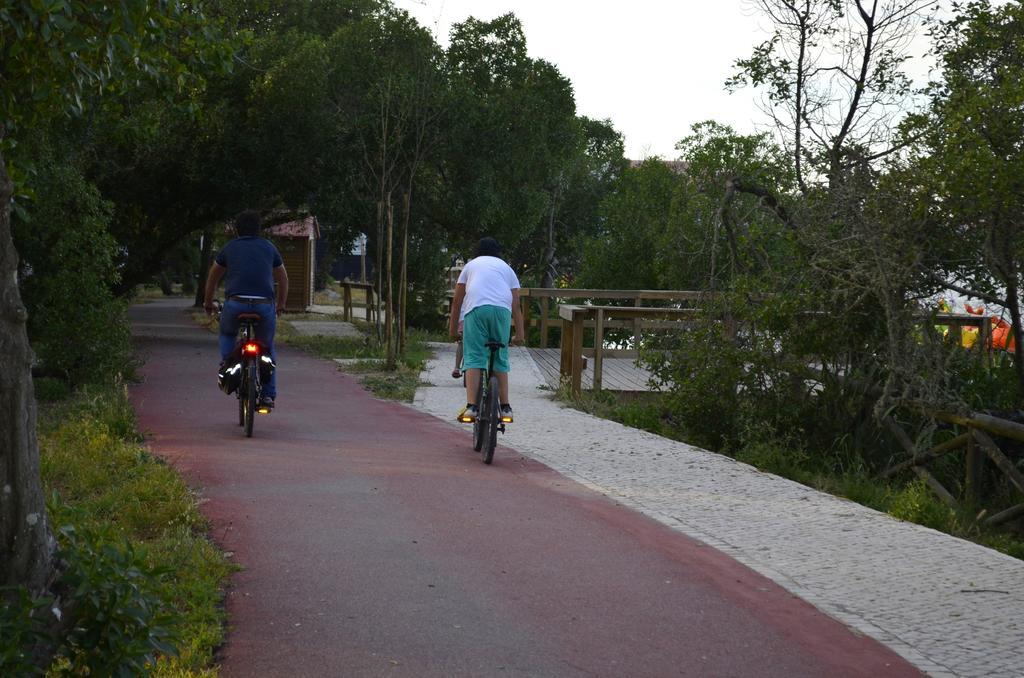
483, 324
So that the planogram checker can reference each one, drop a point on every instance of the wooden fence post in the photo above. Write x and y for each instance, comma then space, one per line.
545, 303
565, 365
598, 348
524, 303
577, 352
636, 326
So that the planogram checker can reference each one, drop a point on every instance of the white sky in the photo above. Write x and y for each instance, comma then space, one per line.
654, 67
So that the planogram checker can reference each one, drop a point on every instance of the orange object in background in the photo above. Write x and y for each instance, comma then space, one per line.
1002, 339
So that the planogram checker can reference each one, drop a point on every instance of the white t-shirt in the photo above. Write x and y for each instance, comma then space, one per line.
489, 281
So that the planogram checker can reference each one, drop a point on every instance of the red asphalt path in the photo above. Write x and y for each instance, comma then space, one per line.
375, 543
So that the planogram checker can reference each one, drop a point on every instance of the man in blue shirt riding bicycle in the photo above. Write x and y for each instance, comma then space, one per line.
250, 266
488, 293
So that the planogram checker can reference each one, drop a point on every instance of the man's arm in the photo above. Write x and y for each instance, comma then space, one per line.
213, 279
517, 318
453, 320
281, 278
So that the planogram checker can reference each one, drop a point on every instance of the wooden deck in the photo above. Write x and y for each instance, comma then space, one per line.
620, 374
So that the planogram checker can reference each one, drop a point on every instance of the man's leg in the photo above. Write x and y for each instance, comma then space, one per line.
502, 387
501, 320
228, 328
472, 384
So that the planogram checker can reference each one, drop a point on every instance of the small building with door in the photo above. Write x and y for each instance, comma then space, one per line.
296, 241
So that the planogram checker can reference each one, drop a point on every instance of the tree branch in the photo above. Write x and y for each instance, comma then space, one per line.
984, 296
768, 198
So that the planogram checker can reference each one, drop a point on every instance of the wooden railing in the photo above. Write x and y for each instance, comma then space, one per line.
576, 319
956, 322
370, 295
548, 296
979, 444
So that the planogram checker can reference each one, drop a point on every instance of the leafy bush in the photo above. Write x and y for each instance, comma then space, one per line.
50, 390
779, 456
76, 325
120, 622
640, 415
114, 493
22, 621
915, 503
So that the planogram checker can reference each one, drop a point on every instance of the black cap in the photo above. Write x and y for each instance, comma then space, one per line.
488, 247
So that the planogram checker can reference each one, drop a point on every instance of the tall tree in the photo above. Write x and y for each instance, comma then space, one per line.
512, 132
969, 161
52, 57
831, 72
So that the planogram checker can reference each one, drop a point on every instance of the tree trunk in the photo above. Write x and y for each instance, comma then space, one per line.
379, 255
1013, 301
403, 274
26, 542
362, 261
389, 274
204, 265
548, 261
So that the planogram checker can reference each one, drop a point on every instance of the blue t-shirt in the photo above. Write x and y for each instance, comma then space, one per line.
250, 261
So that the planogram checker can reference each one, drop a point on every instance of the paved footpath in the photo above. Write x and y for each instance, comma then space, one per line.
373, 542
948, 606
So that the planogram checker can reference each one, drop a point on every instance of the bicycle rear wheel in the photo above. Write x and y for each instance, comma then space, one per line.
250, 397
493, 417
479, 426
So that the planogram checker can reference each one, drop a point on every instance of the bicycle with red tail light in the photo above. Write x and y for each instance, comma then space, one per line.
245, 371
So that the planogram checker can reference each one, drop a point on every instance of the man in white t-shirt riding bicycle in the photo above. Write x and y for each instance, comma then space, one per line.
488, 294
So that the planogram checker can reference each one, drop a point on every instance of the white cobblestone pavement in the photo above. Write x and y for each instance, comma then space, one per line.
950, 607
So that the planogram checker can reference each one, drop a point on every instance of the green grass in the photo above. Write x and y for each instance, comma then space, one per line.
398, 384
102, 478
911, 501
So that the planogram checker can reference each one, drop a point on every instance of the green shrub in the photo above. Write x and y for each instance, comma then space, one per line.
640, 415
1010, 545
781, 457
915, 503
398, 385
68, 266
120, 623
50, 390
24, 628
113, 492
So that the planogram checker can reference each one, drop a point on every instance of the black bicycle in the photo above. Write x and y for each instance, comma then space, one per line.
248, 366
489, 419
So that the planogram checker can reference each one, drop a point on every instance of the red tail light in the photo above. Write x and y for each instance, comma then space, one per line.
251, 349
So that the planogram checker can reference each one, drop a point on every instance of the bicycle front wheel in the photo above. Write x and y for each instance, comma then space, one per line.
250, 397
493, 417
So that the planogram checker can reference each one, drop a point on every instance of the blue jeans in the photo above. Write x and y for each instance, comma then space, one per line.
264, 332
